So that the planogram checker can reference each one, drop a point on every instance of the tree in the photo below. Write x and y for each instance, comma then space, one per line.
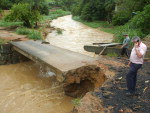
141, 20
125, 9
95, 9
25, 14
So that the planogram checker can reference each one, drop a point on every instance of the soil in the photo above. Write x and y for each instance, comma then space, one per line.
7, 34
111, 98
82, 80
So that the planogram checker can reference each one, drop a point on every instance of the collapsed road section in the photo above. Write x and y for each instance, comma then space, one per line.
77, 71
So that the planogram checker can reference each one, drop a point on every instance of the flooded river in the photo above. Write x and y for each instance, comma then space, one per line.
75, 35
23, 90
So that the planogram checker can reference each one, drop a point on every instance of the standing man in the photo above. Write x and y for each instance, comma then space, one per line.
136, 61
125, 45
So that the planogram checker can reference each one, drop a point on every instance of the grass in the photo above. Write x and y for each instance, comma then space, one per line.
9, 24
2, 41
76, 101
59, 31
55, 14
112, 55
31, 33
103, 25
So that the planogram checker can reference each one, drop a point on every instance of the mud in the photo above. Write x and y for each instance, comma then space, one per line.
9, 35
82, 80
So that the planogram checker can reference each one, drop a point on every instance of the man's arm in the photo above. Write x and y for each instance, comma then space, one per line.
124, 45
138, 53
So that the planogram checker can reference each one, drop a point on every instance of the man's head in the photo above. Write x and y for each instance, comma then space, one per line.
136, 39
125, 35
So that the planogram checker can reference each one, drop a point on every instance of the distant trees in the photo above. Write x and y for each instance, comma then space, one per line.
5, 4
94, 9
26, 11
39, 5
141, 21
125, 9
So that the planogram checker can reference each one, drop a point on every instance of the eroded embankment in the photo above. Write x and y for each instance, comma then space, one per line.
82, 80
111, 98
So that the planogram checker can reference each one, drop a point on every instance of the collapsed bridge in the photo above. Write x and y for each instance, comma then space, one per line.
78, 72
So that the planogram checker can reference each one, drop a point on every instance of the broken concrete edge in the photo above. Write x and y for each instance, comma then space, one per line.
72, 79
9, 56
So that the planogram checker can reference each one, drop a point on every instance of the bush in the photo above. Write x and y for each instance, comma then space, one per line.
127, 29
55, 14
44, 8
142, 20
1, 11
35, 35
23, 13
76, 10
86, 13
59, 31
23, 31
32, 34
5, 4
121, 18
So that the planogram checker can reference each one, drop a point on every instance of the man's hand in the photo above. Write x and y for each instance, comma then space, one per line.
136, 45
129, 64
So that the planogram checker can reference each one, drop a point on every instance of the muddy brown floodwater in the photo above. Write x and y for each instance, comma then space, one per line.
75, 35
23, 91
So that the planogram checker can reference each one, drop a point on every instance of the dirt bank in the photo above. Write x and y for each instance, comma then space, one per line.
8, 34
82, 80
111, 98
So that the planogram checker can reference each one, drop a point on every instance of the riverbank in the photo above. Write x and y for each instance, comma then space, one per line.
101, 25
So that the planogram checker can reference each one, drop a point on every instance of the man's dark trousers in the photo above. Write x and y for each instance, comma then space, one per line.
131, 77
125, 51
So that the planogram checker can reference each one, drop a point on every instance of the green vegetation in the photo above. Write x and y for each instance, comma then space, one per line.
93, 24
138, 26
76, 101
103, 25
112, 55
23, 13
9, 24
1, 11
126, 29
32, 34
2, 41
59, 31
55, 14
